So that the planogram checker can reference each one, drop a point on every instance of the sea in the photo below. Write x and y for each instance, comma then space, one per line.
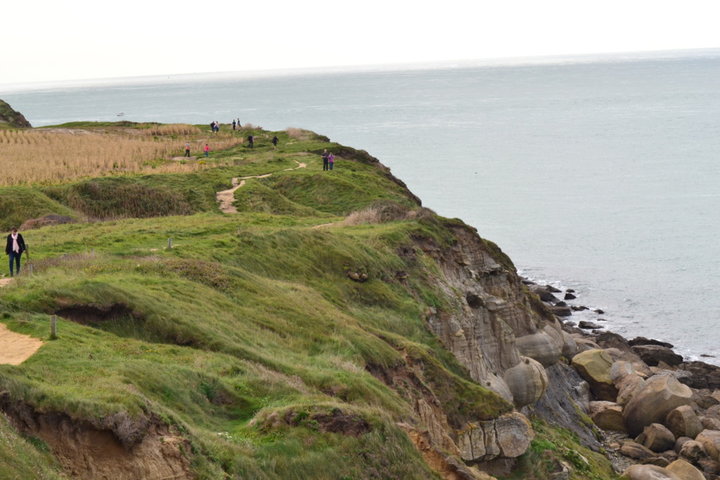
600, 174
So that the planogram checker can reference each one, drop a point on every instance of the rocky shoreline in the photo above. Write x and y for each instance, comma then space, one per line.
657, 415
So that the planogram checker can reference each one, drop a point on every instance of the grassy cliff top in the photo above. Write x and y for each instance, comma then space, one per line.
9, 118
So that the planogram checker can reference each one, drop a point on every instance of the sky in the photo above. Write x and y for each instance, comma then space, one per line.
49, 41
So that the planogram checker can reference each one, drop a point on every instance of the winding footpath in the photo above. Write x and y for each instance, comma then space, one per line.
225, 198
15, 348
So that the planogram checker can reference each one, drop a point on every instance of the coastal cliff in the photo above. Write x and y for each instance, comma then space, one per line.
331, 328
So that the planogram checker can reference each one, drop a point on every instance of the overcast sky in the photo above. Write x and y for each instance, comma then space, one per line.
44, 40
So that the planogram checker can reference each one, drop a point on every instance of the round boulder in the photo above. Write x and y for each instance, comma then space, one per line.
693, 451
685, 471
527, 381
653, 401
657, 438
683, 422
540, 346
594, 366
710, 440
607, 415
648, 472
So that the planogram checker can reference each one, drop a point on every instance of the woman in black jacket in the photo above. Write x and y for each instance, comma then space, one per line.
14, 248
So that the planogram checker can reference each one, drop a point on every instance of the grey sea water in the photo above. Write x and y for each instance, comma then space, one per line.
602, 176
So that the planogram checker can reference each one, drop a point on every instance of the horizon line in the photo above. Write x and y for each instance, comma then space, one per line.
609, 57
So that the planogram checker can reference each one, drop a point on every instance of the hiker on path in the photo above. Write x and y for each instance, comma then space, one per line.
14, 248
325, 158
331, 161
206, 149
275, 141
251, 141
187, 149
234, 124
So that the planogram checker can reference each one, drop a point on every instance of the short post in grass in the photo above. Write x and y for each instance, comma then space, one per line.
53, 327
169, 244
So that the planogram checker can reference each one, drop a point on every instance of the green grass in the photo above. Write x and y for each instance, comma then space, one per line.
248, 320
553, 445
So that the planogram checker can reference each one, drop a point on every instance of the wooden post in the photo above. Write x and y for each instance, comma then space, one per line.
53, 327
169, 243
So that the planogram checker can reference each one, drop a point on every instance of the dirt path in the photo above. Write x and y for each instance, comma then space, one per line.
225, 198
15, 348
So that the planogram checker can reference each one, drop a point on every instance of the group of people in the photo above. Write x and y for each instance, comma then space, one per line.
328, 160
215, 126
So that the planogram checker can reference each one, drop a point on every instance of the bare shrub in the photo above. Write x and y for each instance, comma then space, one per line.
298, 133
381, 212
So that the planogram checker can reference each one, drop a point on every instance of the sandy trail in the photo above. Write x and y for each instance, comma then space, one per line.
225, 198
15, 348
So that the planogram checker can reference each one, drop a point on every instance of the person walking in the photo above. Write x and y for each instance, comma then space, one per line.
275, 141
206, 149
325, 159
331, 161
14, 249
187, 149
234, 124
251, 141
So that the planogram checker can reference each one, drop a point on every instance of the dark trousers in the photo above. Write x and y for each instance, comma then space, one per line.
325, 164
16, 257
330, 165
187, 152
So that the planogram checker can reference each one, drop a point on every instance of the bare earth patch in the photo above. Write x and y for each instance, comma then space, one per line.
15, 348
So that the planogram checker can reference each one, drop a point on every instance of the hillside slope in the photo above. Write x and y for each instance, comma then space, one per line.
331, 329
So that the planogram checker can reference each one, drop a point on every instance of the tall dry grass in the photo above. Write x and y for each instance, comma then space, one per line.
52, 156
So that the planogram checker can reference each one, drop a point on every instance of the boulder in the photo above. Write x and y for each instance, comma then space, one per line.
685, 471
560, 310
507, 436
648, 341
569, 348
569, 296
527, 381
683, 422
583, 343
709, 423
680, 441
607, 415
657, 438
612, 340
587, 325
654, 355
648, 472
634, 450
710, 440
653, 401
543, 292
594, 366
693, 451
541, 346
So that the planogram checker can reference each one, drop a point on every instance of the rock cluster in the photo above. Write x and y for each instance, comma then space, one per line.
664, 413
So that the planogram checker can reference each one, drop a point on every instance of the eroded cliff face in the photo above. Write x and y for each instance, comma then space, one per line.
506, 339
491, 311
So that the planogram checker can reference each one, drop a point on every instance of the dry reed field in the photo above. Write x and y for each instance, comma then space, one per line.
59, 155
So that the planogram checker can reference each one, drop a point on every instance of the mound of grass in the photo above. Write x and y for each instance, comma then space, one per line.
18, 204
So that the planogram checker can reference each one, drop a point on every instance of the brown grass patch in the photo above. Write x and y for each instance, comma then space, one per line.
53, 156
